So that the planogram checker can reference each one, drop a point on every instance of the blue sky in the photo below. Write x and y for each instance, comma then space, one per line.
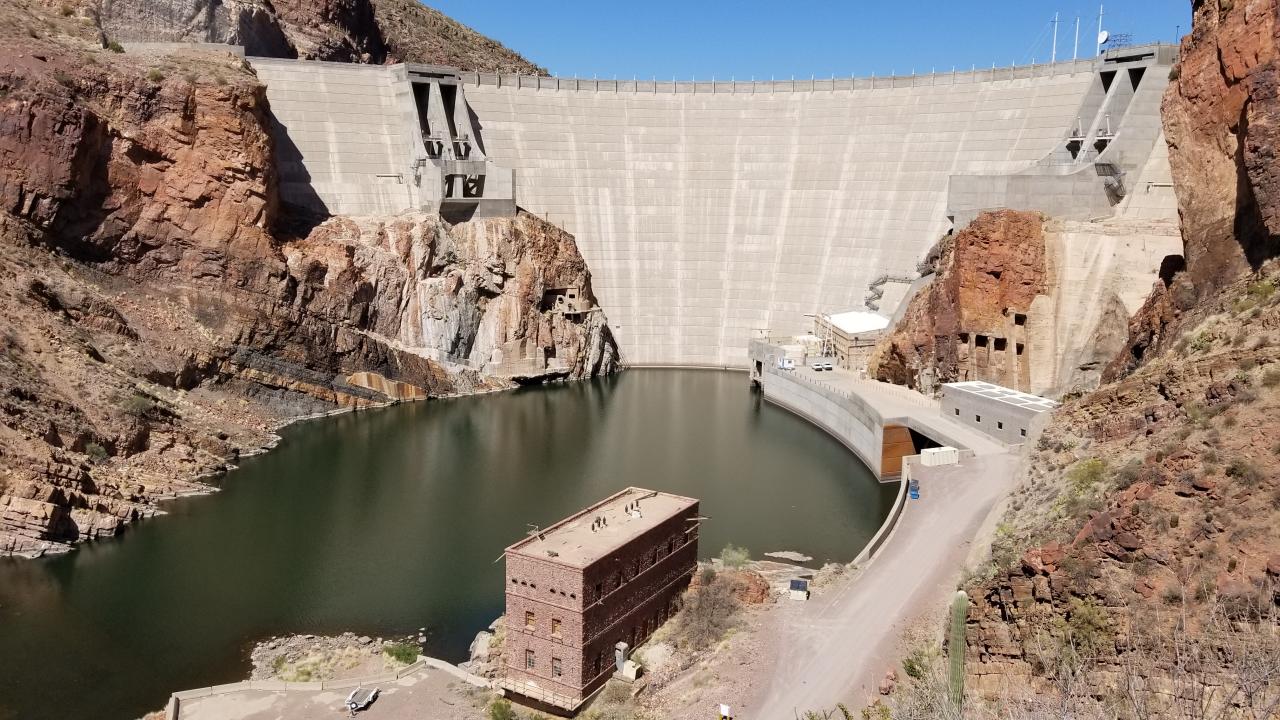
703, 38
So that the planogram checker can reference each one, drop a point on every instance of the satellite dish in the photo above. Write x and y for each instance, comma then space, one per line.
1103, 36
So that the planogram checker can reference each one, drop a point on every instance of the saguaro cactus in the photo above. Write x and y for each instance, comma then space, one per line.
955, 647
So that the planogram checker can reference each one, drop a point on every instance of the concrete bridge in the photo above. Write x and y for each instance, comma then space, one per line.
709, 211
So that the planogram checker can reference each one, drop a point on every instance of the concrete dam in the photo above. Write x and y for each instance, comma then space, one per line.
712, 213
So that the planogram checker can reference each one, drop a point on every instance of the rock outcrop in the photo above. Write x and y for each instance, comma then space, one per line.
1133, 571
1220, 113
364, 31
162, 319
969, 322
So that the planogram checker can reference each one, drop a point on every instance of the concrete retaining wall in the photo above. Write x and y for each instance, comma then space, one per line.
709, 211
848, 419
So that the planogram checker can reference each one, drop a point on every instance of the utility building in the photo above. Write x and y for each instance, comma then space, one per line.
585, 591
1003, 413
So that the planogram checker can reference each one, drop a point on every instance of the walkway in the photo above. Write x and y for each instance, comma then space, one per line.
837, 646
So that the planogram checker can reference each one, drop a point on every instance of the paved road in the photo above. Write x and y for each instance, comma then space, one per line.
839, 644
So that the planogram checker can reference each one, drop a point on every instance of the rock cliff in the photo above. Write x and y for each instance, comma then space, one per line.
1136, 572
367, 31
1220, 114
969, 323
161, 317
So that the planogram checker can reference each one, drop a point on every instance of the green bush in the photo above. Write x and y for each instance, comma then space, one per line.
401, 652
155, 75
1244, 471
734, 557
1086, 474
500, 709
96, 452
115, 47
137, 404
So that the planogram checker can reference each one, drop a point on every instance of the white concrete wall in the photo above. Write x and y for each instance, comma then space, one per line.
355, 131
706, 217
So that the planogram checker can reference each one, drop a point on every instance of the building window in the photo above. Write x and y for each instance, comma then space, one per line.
1024, 432
999, 425
977, 418
595, 664
528, 660
529, 620
555, 627
957, 411
599, 590
556, 670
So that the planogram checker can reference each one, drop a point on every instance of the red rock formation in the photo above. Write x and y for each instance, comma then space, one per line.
968, 323
1221, 115
158, 324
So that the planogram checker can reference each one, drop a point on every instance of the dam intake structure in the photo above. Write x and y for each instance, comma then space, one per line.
712, 213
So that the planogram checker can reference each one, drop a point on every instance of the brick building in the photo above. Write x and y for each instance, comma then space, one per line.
612, 573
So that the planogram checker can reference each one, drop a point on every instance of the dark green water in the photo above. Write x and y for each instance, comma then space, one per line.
386, 521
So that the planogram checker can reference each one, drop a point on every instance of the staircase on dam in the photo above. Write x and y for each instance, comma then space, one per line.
1086, 175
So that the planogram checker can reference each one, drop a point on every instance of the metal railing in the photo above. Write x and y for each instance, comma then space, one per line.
791, 85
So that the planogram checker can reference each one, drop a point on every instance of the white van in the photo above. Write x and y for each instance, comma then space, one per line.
786, 364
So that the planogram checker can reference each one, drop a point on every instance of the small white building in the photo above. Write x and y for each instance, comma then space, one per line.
1003, 413
850, 336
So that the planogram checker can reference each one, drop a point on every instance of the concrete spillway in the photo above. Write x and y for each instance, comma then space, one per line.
713, 213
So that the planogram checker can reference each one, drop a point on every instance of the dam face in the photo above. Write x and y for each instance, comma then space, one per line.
711, 214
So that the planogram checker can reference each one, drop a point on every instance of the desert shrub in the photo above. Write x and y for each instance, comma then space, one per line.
115, 47
1239, 338
155, 75
734, 557
1086, 474
1201, 342
66, 10
916, 664
1262, 290
1128, 474
401, 652
1271, 378
1247, 364
500, 709
96, 452
708, 613
1173, 521
1244, 471
137, 404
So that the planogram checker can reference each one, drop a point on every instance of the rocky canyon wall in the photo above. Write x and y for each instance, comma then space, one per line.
1136, 572
363, 31
162, 318
1220, 114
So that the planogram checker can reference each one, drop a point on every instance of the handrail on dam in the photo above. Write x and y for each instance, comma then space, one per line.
749, 87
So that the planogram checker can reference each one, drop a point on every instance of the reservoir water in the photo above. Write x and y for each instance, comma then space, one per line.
385, 521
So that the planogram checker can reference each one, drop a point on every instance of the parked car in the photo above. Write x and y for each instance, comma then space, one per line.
826, 365
816, 366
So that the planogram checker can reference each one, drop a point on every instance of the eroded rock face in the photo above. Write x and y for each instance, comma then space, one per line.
1220, 116
159, 325
363, 31
969, 322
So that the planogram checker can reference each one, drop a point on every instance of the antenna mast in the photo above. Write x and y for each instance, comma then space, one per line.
1054, 57
1100, 7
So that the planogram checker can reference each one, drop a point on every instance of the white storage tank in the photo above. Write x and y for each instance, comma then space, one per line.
933, 457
